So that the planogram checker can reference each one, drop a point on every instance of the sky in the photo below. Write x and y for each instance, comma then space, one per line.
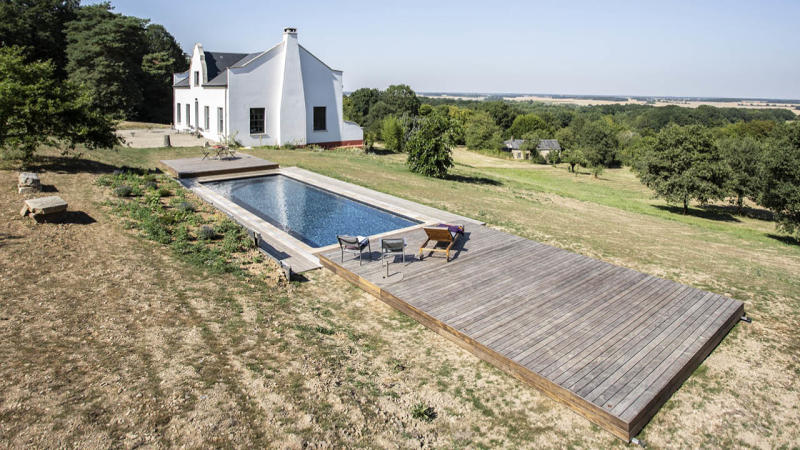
702, 48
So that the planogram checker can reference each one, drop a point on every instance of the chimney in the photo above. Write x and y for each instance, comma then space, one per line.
289, 33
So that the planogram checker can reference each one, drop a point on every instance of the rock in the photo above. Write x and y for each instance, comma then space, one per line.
44, 207
28, 183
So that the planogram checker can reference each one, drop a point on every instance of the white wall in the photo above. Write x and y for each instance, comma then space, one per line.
213, 97
256, 86
323, 87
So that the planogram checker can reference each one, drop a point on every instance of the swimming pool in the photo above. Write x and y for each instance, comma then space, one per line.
308, 213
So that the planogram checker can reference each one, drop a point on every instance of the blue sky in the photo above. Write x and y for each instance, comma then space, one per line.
676, 48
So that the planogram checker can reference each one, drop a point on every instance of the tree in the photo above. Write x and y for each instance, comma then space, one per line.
37, 109
743, 157
527, 123
359, 103
163, 58
481, 132
573, 157
39, 26
600, 142
104, 53
502, 113
393, 133
780, 188
683, 164
401, 99
429, 148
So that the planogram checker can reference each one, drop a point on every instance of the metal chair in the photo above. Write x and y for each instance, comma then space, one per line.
354, 244
391, 247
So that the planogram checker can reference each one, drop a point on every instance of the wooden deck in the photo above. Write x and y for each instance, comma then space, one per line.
611, 343
199, 167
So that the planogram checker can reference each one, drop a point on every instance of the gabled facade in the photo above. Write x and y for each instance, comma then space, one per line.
282, 96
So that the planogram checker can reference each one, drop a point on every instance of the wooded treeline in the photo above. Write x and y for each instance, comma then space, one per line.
684, 154
124, 63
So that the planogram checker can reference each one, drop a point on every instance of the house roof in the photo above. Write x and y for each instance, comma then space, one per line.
548, 144
513, 144
217, 62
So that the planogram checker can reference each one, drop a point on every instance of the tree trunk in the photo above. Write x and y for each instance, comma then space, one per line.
739, 203
685, 206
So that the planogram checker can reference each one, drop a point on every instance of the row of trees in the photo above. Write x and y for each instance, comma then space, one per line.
683, 163
124, 63
683, 154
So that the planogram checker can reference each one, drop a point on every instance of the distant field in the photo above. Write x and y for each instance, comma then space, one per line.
111, 341
580, 101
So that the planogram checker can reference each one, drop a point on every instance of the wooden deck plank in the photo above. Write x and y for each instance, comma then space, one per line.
587, 333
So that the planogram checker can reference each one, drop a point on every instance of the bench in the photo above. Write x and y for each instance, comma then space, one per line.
44, 207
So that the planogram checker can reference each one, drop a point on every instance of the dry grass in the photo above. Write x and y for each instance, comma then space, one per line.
106, 339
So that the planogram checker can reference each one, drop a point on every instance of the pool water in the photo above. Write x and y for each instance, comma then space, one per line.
310, 214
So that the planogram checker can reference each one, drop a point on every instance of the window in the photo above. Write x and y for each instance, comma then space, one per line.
220, 129
256, 120
178, 109
206, 121
188, 117
197, 78
319, 119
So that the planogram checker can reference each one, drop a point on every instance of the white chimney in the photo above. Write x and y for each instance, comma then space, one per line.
289, 33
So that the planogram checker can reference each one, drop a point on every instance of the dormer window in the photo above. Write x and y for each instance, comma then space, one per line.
197, 78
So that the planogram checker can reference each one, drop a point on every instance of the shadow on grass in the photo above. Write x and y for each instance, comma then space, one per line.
753, 213
72, 164
380, 151
788, 240
473, 180
7, 237
705, 213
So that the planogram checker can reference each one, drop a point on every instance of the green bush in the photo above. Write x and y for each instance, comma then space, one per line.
423, 412
428, 147
123, 190
206, 232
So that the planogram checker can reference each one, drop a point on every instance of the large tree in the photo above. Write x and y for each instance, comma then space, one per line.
528, 123
39, 26
104, 52
401, 99
780, 188
683, 164
481, 132
38, 109
428, 146
743, 157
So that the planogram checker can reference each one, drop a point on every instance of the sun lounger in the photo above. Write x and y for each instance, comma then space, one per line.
444, 236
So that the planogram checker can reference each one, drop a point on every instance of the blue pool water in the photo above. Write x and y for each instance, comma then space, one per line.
310, 214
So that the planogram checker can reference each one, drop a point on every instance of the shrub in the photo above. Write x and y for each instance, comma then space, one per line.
123, 190
392, 133
423, 412
150, 184
206, 232
185, 207
428, 147
164, 192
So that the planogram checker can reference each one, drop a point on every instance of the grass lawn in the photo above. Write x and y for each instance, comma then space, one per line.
107, 338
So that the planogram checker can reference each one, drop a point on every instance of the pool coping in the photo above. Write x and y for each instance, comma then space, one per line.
294, 253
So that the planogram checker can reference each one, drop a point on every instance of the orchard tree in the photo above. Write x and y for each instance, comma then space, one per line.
743, 157
38, 109
780, 188
574, 157
428, 147
683, 164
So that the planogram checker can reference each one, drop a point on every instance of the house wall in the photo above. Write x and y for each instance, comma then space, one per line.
213, 97
256, 85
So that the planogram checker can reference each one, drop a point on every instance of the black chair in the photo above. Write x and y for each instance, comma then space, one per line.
391, 247
354, 244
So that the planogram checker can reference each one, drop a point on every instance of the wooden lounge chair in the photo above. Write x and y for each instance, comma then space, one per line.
444, 237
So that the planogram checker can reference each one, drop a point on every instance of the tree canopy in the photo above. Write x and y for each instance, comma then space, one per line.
428, 146
683, 164
780, 191
38, 109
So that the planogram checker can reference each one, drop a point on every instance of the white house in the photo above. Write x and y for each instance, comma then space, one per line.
282, 96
